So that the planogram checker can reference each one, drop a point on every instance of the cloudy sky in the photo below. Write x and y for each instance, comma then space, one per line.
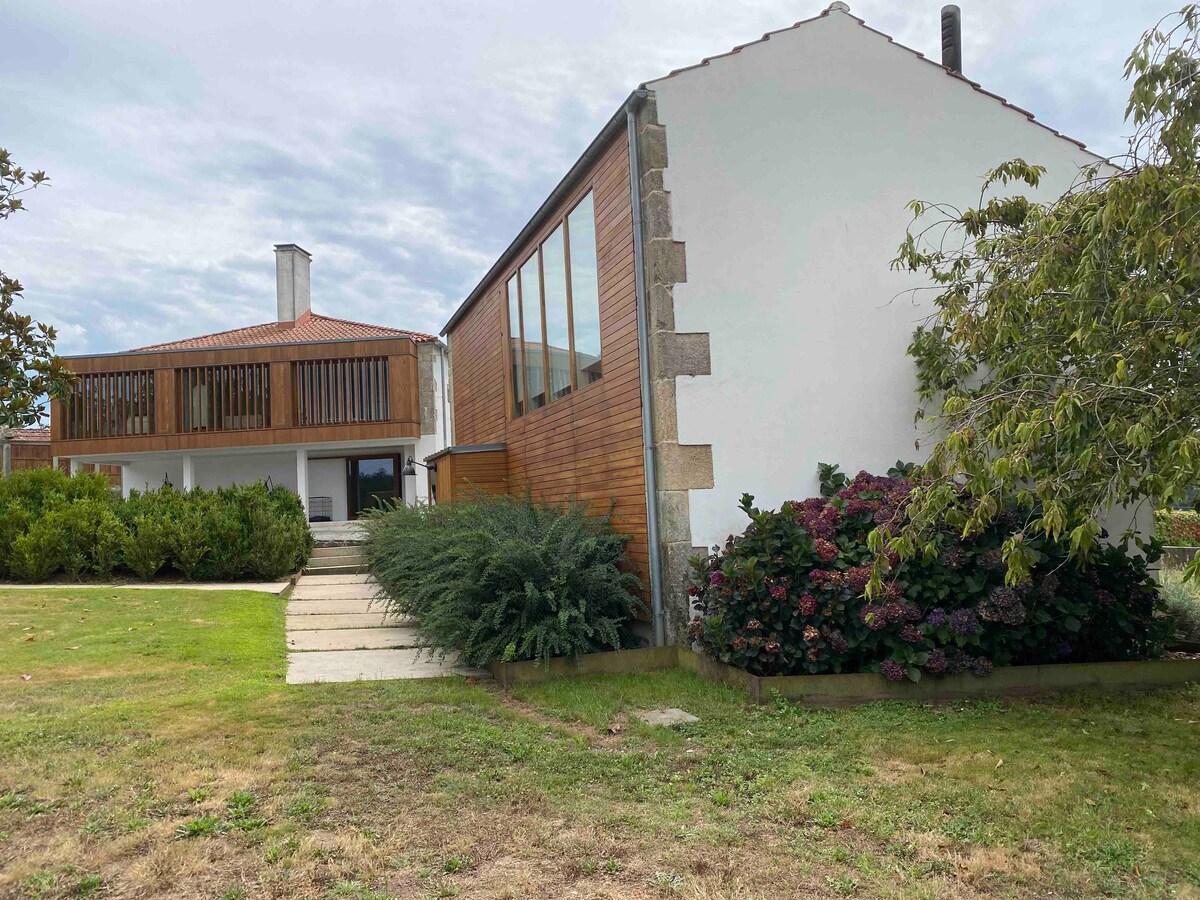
402, 143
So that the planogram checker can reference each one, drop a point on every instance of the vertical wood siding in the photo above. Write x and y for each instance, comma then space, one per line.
589, 444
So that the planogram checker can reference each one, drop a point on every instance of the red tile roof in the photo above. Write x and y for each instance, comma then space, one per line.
974, 84
31, 436
310, 329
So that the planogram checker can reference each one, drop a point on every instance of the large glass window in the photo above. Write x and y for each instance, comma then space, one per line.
585, 292
554, 314
516, 357
531, 319
558, 330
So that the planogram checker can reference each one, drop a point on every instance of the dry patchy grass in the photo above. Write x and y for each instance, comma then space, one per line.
165, 758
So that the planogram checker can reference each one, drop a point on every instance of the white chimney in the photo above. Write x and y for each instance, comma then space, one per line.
291, 282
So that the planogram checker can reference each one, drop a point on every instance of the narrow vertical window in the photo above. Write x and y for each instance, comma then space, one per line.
515, 354
558, 325
585, 292
531, 319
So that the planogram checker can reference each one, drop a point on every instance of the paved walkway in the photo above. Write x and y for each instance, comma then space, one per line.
335, 633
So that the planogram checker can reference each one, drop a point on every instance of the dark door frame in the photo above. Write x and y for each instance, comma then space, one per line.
352, 510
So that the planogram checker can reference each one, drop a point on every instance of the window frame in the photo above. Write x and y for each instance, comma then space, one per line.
513, 273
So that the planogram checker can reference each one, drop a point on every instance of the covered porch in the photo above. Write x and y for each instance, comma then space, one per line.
336, 482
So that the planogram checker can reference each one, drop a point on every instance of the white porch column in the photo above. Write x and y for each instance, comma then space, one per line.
302, 477
76, 466
125, 479
189, 472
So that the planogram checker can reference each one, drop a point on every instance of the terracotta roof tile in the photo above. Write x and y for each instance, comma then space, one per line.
308, 330
31, 436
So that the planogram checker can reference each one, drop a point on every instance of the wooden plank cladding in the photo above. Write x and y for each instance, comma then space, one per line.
223, 398
587, 444
111, 404
462, 471
341, 391
240, 397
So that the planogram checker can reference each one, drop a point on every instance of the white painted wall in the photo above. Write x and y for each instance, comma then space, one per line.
790, 166
428, 444
146, 473
327, 478
225, 470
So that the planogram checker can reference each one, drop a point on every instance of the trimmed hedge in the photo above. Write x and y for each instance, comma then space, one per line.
52, 524
786, 597
505, 578
1177, 527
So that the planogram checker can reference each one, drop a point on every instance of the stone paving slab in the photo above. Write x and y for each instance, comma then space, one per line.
353, 639
361, 578
319, 622
305, 591
333, 607
372, 665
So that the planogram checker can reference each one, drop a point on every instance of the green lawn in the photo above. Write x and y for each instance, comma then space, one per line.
155, 752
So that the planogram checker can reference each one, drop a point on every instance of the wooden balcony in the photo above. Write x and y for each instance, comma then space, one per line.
239, 397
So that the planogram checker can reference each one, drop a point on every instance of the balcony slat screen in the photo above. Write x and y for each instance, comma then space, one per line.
223, 398
341, 391
111, 404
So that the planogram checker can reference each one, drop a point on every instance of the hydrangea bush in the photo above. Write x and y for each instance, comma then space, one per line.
786, 597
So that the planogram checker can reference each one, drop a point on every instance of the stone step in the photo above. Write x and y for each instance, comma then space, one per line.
303, 591
321, 552
372, 665
353, 639
333, 608
360, 578
353, 569
322, 621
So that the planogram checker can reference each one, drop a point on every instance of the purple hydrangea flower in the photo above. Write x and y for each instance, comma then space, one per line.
912, 634
716, 579
937, 663
892, 670
981, 666
1004, 605
1064, 649
936, 618
964, 622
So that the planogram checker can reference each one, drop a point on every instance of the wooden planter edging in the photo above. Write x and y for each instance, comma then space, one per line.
849, 690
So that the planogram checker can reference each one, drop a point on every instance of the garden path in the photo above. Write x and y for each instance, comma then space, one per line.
337, 630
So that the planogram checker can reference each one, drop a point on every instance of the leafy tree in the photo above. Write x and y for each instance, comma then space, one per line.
1062, 364
29, 369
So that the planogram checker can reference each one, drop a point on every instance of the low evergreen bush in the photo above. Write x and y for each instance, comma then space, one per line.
786, 597
51, 523
506, 578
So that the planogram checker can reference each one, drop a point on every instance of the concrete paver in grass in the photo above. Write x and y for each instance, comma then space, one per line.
310, 580
373, 619
372, 665
353, 639
306, 591
333, 607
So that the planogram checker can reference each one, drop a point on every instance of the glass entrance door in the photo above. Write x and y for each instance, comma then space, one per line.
373, 481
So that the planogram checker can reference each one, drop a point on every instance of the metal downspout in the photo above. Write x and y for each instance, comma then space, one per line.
657, 613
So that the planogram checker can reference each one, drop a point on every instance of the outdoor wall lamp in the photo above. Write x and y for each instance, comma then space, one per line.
409, 467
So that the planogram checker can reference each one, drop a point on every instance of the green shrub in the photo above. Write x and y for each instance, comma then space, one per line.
786, 597
38, 553
189, 540
1182, 601
505, 578
1177, 527
148, 546
49, 521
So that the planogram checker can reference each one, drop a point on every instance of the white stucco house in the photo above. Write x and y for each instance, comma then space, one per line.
748, 208
330, 408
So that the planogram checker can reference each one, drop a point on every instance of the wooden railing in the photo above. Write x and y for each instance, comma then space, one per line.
223, 398
232, 397
111, 404
341, 391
